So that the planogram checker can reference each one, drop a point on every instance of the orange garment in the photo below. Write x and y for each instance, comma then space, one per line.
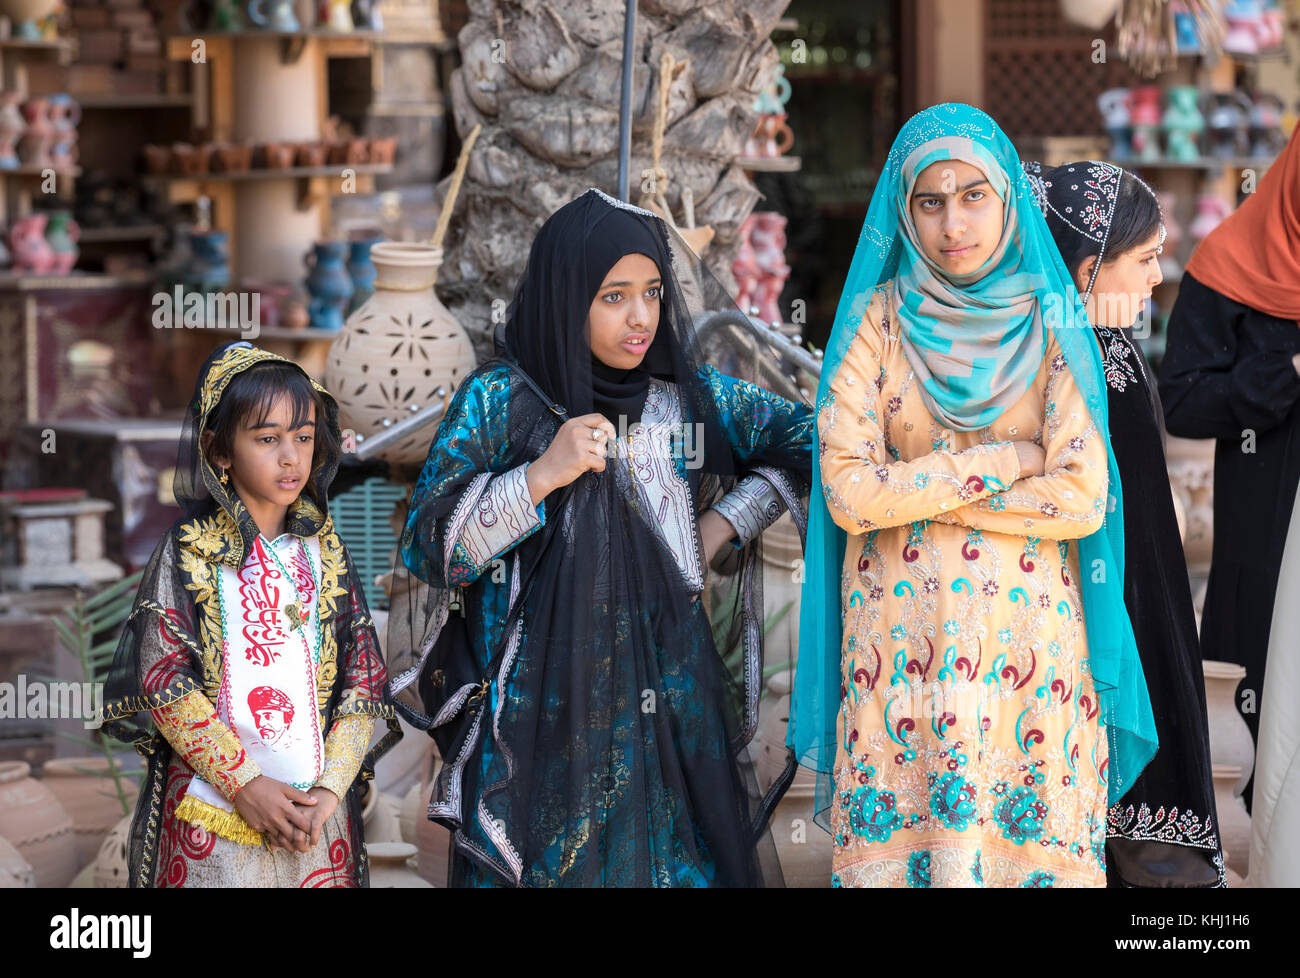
1253, 257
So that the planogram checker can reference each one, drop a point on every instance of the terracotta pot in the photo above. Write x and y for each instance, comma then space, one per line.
390, 866
411, 812
277, 156
376, 388
383, 150
88, 795
228, 158
190, 161
157, 159
349, 152
1234, 820
109, 871
1230, 741
312, 154
15, 871
35, 824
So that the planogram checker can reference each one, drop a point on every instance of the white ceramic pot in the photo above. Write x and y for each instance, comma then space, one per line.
109, 871
390, 866
1230, 741
1234, 820
395, 351
1093, 14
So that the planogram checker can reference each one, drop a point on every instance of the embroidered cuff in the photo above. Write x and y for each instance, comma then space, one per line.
751, 508
345, 749
503, 516
207, 745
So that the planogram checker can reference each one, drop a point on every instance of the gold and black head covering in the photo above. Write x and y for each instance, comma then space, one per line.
199, 490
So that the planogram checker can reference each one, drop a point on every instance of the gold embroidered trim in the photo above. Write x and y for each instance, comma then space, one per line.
228, 825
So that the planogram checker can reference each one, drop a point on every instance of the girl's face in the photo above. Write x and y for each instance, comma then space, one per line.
624, 316
958, 217
1122, 284
269, 463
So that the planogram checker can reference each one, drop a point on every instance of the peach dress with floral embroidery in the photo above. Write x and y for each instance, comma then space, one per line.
970, 747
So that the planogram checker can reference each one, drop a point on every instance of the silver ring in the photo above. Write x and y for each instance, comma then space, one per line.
595, 434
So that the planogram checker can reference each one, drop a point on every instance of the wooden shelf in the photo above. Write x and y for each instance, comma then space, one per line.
27, 282
29, 170
58, 45
129, 232
110, 101
265, 173
380, 37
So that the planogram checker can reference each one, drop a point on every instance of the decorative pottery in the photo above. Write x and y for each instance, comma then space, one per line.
349, 152
273, 15
306, 11
110, 869
190, 161
366, 16
1234, 820
11, 113
312, 154
432, 839
231, 158
63, 150
157, 159
1230, 741
338, 16
410, 813
9, 150
390, 866
1093, 14
362, 271
226, 16
35, 824
397, 349
379, 817
38, 136
89, 796
276, 156
208, 269
768, 241
383, 150
328, 283
25, 16
31, 252
62, 233
64, 111
15, 871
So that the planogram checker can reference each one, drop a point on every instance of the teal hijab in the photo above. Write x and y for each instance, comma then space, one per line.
979, 340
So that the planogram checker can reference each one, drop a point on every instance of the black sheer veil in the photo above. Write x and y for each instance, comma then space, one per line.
616, 720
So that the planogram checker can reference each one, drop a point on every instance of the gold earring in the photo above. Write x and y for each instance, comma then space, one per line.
225, 479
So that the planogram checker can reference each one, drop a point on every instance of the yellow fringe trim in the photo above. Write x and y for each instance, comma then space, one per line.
228, 825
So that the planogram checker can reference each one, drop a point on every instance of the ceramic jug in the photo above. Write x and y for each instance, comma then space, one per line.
273, 15
31, 252
328, 283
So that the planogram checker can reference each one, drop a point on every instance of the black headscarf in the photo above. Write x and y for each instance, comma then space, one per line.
546, 329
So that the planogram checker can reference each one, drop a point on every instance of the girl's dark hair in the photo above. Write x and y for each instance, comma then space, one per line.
248, 399
1137, 218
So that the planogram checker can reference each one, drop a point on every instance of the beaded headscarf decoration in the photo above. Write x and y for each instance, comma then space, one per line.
1092, 198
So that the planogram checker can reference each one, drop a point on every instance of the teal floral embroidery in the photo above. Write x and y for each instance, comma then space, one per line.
953, 801
1004, 636
918, 870
921, 480
997, 503
873, 814
836, 882
1039, 881
950, 627
1021, 815
897, 632
976, 870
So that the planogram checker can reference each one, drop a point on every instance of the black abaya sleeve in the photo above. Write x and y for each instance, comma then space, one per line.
1227, 367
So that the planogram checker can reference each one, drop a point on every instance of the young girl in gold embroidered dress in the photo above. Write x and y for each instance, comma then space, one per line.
251, 648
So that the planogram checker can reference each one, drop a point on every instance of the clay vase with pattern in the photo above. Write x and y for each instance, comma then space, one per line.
89, 796
395, 351
35, 824
15, 872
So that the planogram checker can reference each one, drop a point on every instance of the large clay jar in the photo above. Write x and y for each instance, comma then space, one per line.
433, 840
15, 871
35, 824
1234, 820
390, 867
89, 795
379, 817
396, 350
1230, 740
63, 233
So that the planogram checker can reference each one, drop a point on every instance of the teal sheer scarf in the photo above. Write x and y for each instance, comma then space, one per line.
1112, 650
